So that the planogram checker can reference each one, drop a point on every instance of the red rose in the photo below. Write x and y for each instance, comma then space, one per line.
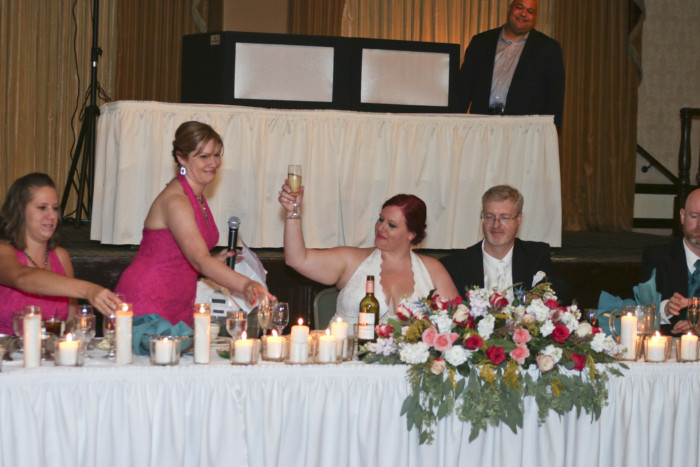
560, 333
596, 330
384, 330
473, 342
496, 355
551, 303
579, 361
498, 300
456, 301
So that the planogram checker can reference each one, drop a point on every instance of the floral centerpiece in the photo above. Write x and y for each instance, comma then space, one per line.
481, 357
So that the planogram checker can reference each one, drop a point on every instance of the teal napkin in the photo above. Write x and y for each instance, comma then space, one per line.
644, 294
154, 324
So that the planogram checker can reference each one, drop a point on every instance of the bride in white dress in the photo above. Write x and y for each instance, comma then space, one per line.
398, 271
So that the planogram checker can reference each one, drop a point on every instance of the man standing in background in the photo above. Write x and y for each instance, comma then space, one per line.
514, 69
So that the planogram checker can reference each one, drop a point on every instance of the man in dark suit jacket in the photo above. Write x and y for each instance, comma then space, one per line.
537, 85
522, 260
675, 263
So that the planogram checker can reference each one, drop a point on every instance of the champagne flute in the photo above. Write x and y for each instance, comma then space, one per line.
280, 316
294, 181
694, 313
265, 315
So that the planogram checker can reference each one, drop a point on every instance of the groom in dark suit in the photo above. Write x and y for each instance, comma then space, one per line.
677, 269
514, 69
501, 259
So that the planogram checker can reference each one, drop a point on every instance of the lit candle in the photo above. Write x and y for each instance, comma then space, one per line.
202, 332
31, 328
656, 348
274, 345
122, 327
243, 349
326, 348
299, 345
68, 351
689, 347
164, 351
339, 329
628, 336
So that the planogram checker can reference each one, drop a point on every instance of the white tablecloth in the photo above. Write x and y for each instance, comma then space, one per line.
352, 162
334, 415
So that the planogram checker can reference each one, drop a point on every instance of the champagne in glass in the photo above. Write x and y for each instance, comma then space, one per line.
694, 313
109, 329
265, 318
294, 181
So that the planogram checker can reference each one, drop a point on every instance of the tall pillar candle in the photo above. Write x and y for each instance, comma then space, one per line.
31, 325
628, 336
202, 333
339, 329
299, 343
124, 320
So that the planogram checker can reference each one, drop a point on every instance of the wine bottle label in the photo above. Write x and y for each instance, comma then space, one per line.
365, 328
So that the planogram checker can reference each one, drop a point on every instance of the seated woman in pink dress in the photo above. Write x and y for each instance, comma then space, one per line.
179, 232
33, 269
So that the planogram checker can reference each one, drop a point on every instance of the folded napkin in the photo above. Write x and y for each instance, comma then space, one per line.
644, 294
153, 324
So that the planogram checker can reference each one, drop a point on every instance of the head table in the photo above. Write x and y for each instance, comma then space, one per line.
351, 163
275, 414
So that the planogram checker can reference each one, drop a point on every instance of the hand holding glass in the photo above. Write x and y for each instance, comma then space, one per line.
294, 182
694, 313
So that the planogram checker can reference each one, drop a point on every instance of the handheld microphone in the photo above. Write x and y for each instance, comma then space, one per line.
233, 224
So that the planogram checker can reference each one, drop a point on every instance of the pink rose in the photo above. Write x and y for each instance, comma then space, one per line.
498, 300
473, 342
403, 313
544, 363
429, 336
384, 330
521, 336
560, 333
579, 361
496, 354
438, 366
443, 341
520, 353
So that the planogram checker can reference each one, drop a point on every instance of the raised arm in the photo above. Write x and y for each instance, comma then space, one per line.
178, 217
40, 281
325, 266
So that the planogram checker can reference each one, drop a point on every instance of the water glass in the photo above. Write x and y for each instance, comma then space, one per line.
84, 325
109, 330
280, 316
236, 322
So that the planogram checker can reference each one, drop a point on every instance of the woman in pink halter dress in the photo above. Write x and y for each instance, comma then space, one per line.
33, 269
179, 233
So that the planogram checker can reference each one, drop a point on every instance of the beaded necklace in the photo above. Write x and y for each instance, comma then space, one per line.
31, 260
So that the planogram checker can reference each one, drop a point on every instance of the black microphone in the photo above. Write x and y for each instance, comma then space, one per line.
233, 224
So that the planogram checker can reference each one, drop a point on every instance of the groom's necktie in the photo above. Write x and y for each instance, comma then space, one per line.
694, 281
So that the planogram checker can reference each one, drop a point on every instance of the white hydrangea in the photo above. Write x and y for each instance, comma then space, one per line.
485, 326
383, 346
456, 355
570, 321
603, 343
442, 321
574, 310
547, 328
553, 351
539, 310
414, 354
479, 302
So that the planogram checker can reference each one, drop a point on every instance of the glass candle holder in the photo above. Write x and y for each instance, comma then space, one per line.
164, 351
346, 348
657, 348
244, 351
274, 348
687, 348
634, 352
301, 351
327, 349
2, 356
68, 352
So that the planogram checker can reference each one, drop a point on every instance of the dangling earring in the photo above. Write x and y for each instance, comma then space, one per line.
183, 170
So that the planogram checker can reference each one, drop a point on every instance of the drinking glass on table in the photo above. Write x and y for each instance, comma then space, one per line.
236, 322
18, 327
294, 182
109, 330
280, 316
84, 325
265, 314
694, 313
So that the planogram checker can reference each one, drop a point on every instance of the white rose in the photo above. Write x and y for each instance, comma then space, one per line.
584, 329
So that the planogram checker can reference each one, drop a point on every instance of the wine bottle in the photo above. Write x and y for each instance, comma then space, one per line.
368, 316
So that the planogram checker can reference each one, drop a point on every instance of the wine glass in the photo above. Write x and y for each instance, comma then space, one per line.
236, 322
294, 181
109, 330
280, 316
694, 313
265, 315
84, 325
